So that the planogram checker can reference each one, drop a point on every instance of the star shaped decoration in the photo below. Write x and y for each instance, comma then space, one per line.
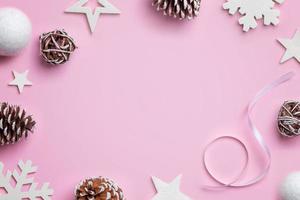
292, 47
168, 191
104, 8
20, 80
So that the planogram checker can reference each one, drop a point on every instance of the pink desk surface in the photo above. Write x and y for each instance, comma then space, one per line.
144, 94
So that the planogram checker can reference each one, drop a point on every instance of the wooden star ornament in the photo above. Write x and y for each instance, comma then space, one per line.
20, 80
292, 47
168, 191
104, 8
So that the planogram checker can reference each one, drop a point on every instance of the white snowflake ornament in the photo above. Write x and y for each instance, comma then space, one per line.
16, 192
253, 10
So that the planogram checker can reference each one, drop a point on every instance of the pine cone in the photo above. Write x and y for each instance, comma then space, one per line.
289, 119
14, 124
98, 189
56, 47
178, 8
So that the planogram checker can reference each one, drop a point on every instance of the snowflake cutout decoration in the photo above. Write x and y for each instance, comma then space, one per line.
253, 10
21, 179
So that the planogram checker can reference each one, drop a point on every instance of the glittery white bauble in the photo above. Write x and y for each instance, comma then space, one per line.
15, 31
290, 187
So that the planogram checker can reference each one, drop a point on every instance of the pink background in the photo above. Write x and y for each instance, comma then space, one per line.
144, 94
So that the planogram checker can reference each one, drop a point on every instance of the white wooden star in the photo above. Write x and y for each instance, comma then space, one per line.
104, 8
168, 191
292, 47
20, 80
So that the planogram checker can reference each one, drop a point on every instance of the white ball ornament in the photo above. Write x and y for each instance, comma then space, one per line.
290, 187
15, 31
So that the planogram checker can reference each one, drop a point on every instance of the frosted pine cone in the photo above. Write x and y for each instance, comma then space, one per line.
14, 124
178, 8
98, 189
289, 119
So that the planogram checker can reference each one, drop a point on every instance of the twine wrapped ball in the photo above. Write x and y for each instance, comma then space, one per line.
98, 189
56, 47
181, 9
289, 119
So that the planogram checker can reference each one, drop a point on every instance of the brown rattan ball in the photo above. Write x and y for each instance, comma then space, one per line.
289, 119
98, 189
56, 47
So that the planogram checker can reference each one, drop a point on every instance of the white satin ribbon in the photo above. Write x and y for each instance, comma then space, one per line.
257, 136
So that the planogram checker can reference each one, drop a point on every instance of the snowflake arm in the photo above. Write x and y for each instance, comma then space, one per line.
44, 192
271, 17
253, 10
248, 21
232, 6
5, 179
22, 179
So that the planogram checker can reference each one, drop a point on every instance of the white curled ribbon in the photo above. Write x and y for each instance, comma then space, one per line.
257, 136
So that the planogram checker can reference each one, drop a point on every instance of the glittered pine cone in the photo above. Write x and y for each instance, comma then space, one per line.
289, 119
14, 124
98, 189
178, 8
56, 47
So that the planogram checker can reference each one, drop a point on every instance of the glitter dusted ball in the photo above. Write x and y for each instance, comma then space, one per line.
15, 31
290, 187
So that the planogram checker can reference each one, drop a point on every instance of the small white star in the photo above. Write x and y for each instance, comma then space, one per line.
168, 191
292, 47
20, 80
92, 17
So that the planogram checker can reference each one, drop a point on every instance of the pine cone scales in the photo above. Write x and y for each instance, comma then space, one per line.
98, 189
178, 8
14, 124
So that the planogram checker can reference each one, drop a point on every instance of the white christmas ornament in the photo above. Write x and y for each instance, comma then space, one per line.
15, 31
292, 47
168, 191
20, 80
17, 192
253, 10
290, 187
104, 8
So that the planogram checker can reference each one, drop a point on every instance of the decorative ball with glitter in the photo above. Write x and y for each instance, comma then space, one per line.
15, 31
56, 47
98, 189
289, 119
181, 9
14, 124
290, 187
